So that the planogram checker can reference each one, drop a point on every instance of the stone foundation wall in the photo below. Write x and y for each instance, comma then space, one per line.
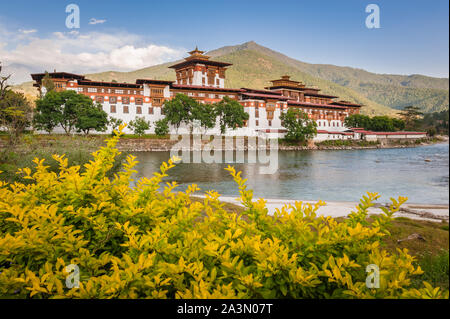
145, 145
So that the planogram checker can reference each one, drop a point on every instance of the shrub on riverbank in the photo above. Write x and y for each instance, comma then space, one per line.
151, 242
78, 150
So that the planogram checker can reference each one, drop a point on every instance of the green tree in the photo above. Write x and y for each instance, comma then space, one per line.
398, 124
381, 124
300, 127
179, 110
411, 115
231, 114
376, 123
431, 131
48, 83
161, 127
48, 112
205, 115
139, 125
15, 114
437, 120
91, 117
60, 108
357, 120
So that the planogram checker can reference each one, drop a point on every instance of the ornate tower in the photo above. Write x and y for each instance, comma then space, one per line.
197, 69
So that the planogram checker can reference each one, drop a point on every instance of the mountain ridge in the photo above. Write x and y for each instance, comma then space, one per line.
255, 65
439, 83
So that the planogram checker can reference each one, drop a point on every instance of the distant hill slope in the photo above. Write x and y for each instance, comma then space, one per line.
395, 91
254, 66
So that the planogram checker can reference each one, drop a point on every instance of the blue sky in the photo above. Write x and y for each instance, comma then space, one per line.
413, 38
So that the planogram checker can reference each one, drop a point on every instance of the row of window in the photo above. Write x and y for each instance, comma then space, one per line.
324, 124
157, 92
318, 100
125, 100
211, 96
269, 122
113, 91
126, 109
335, 136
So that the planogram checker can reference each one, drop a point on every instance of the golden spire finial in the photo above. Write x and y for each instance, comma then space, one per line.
196, 51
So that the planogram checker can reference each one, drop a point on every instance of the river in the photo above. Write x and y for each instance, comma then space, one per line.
420, 173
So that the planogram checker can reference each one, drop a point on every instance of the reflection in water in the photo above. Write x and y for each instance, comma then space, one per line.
342, 175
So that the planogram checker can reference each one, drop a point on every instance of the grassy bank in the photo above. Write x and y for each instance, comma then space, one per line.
77, 149
432, 251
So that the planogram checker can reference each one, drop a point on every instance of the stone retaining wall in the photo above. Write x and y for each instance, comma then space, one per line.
165, 145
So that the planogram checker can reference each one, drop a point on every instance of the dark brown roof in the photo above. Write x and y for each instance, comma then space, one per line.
293, 87
58, 75
200, 61
267, 96
148, 81
329, 106
320, 95
109, 84
346, 103
261, 91
204, 88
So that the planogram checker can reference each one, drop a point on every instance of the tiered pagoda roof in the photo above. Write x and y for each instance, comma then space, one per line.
197, 56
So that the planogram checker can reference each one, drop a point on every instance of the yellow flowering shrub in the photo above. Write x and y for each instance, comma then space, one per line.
151, 241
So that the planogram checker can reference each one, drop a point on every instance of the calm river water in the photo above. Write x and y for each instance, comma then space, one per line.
421, 174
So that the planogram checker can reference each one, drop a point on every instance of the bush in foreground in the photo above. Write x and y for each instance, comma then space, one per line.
148, 242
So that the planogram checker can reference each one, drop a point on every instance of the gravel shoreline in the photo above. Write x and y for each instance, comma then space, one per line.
431, 212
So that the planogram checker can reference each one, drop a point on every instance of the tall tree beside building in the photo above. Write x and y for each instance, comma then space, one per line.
299, 126
47, 83
204, 114
15, 114
91, 117
377, 123
357, 120
231, 114
63, 109
411, 115
381, 124
179, 110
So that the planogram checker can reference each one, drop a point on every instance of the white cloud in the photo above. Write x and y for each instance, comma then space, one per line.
27, 31
82, 52
96, 21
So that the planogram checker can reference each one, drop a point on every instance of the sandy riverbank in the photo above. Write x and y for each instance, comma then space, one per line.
342, 209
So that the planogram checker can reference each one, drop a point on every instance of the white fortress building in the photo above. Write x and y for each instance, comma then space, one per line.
204, 80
